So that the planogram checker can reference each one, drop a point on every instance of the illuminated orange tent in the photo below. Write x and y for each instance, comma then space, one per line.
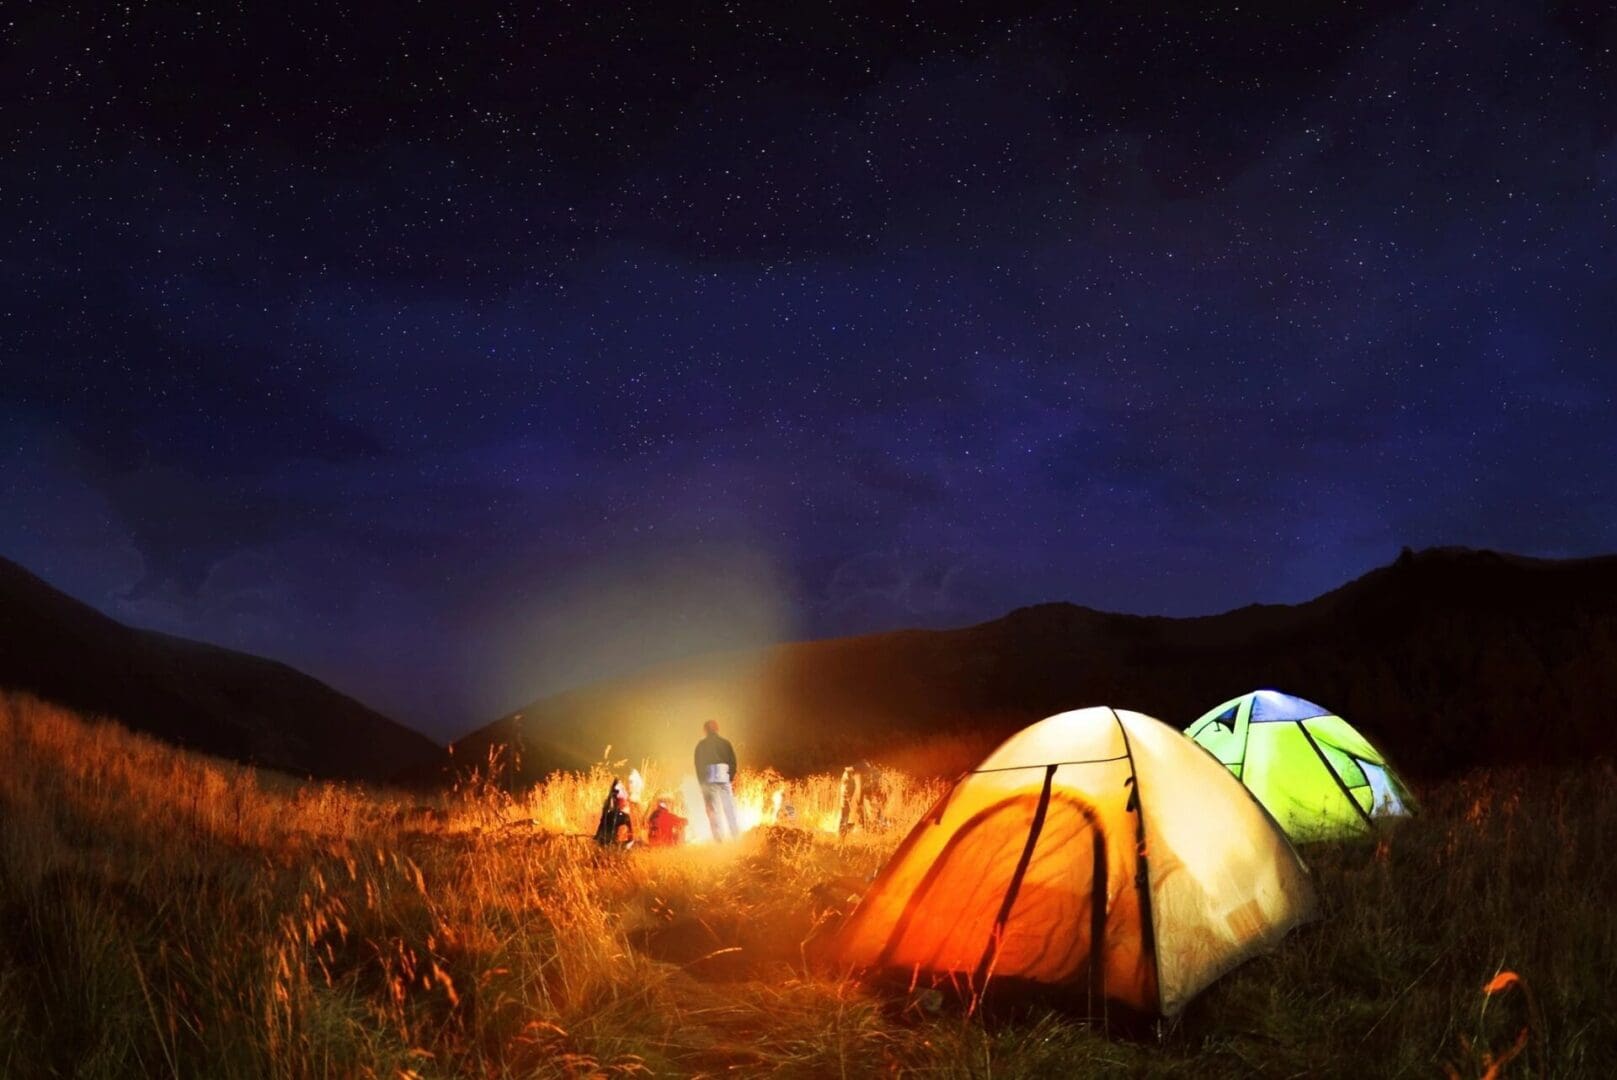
1099, 850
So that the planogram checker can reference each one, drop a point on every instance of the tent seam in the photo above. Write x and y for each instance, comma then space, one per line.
1142, 872
1336, 776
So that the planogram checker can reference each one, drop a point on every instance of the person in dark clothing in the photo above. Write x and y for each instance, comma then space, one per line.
862, 797
617, 827
716, 771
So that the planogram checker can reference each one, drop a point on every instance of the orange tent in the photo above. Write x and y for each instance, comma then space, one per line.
1099, 850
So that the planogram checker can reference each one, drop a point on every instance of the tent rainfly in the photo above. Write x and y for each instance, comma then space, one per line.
1311, 769
1097, 851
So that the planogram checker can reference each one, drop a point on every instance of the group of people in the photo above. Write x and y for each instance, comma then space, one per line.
863, 794
663, 827
715, 761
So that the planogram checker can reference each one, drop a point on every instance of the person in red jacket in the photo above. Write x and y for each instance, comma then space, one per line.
664, 828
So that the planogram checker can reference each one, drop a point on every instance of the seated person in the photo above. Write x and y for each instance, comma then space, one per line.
664, 828
617, 827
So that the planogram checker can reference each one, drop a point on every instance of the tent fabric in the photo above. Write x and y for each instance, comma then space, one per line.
1312, 770
1271, 706
1096, 850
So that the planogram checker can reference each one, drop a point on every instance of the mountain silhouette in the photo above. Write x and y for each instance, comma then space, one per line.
198, 696
1449, 658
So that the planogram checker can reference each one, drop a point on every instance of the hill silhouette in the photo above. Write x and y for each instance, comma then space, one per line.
198, 696
1450, 658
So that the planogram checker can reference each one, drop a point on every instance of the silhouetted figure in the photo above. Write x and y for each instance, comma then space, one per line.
861, 797
617, 827
716, 771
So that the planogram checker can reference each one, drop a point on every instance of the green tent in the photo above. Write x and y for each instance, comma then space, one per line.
1311, 770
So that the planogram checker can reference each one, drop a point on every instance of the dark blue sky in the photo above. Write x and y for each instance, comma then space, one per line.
457, 357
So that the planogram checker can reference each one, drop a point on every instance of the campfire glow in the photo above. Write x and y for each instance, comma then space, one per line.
757, 804
570, 803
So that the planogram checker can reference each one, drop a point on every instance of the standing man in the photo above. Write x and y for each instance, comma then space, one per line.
715, 771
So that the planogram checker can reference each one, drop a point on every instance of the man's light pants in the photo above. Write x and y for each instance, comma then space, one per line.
717, 797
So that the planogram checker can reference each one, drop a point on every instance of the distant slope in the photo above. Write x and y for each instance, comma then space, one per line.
1449, 657
198, 696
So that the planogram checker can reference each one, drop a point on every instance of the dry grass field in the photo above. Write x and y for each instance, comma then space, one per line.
162, 914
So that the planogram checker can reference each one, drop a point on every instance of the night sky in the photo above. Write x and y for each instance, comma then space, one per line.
457, 356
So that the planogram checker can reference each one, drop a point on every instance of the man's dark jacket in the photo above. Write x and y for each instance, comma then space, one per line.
714, 749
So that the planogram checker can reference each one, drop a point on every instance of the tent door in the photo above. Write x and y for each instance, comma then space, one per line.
1384, 800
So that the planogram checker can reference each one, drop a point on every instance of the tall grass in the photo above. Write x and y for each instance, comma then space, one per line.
167, 915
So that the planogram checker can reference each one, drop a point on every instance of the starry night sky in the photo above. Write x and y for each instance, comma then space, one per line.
458, 356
